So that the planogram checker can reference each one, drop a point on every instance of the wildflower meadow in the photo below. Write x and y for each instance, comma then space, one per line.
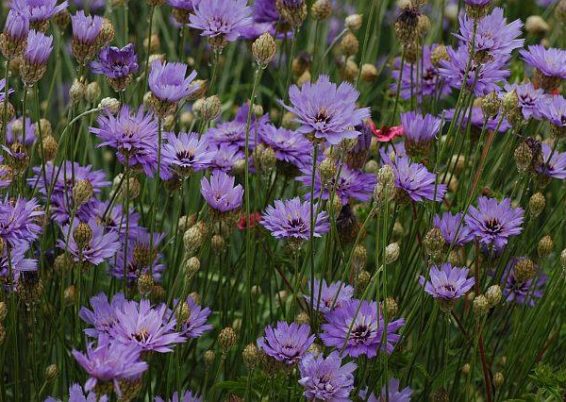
282, 200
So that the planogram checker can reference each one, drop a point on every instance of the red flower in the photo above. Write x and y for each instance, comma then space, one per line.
243, 223
386, 134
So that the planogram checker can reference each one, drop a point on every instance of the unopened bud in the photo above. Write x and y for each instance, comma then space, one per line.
536, 25
498, 379
545, 246
82, 191
369, 72
537, 202
145, 283
70, 294
490, 104
523, 157
354, 22
251, 356
77, 92
110, 105
192, 266
349, 45
321, 9
302, 318
227, 338
209, 358
51, 373
218, 243
493, 295
362, 281
50, 147
92, 92
327, 170
263, 49
481, 305
391, 307
392, 253
210, 108
82, 235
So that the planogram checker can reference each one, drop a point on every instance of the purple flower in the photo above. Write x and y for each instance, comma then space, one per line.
15, 264
326, 110
530, 99
86, 28
38, 49
478, 3
223, 19
453, 228
350, 184
186, 153
286, 343
186, 396
427, 83
150, 329
114, 219
110, 362
4, 90
116, 63
549, 62
554, 164
220, 193
225, 157
390, 393
289, 146
292, 218
168, 81
493, 222
196, 324
15, 132
38, 10
419, 128
17, 25
447, 283
554, 110
133, 135
100, 247
494, 37
326, 379
139, 243
5, 174
19, 221
357, 328
265, 11
327, 297
482, 78
232, 133
103, 314
416, 182
187, 5
522, 292
477, 120
76, 394
92, 5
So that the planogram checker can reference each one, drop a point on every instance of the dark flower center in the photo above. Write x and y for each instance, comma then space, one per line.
322, 117
297, 223
449, 287
141, 336
493, 226
361, 333
185, 154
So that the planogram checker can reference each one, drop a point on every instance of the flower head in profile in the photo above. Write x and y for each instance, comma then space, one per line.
292, 219
481, 78
149, 328
88, 242
554, 163
132, 134
548, 62
117, 64
186, 153
453, 228
524, 292
326, 110
326, 297
414, 181
102, 317
391, 393
196, 324
186, 396
554, 110
86, 28
221, 20
15, 132
169, 82
290, 146
76, 394
447, 283
6, 174
358, 328
427, 82
493, 222
494, 37
38, 50
13, 38
109, 362
419, 128
530, 99
351, 183
38, 11
5, 90
220, 193
286, 343
19, 221
325, 378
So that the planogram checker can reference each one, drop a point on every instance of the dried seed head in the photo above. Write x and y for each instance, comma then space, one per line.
321, 9
264, 49
524, 269
354, 22
218, 243
493, 295
392, 252
227, 338
251, 356
490, 104
50, 147
183, 312
77, 92
536, 25
92, 92
82, 191
537, 202
434, 242
391, 307
349, 45
369, 72
292, 12
192, 266
362, 281
145, 283
327, 170
359, 256
481, 305
82, 235
193, 239
545, 246
523, 157
350, 71
110, 105
211, 107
